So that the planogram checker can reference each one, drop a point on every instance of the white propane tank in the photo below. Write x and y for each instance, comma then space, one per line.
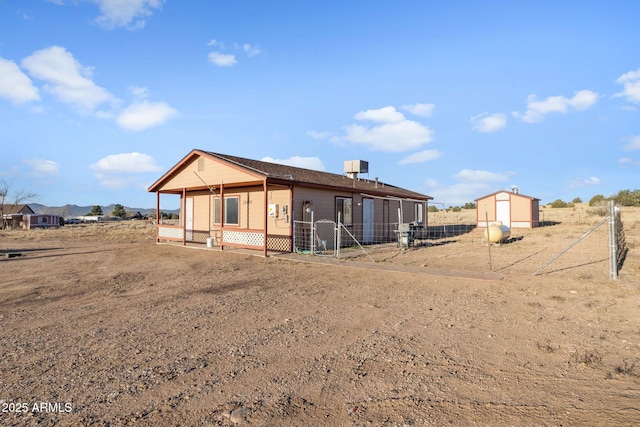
497, 233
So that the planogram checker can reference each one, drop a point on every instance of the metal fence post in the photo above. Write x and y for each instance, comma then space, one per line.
613, 274
313, 235
338, 232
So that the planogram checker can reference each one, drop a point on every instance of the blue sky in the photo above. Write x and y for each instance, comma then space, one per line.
98, 98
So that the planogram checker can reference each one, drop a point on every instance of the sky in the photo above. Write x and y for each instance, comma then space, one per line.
456, 99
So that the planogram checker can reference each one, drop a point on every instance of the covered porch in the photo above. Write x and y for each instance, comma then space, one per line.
247, 215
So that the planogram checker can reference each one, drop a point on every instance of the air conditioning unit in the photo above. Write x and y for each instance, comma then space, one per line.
353, 167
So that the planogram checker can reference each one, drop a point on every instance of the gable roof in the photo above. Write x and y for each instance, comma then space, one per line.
18, 209
275, 172
505, 191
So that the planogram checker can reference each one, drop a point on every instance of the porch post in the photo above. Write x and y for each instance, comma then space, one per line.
266, 216
291, 230
222, 215
158, 219
183, 209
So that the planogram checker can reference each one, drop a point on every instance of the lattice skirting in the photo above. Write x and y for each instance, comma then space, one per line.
245, 238
279, 243
170, 232
199, 236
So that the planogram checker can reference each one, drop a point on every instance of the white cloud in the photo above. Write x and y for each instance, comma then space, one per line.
469, 175
381, 115
66, 78
126, 13
628, 161
631, 82
126, 163
139, 92
222, 59
421, 157
301, 162
393, 133
42, 167
585, 182
144, 115
470, 185
250, 50
422, 110
319, 135
536, 110
15, 85
633, 143
461, 193
487, 123
431, 183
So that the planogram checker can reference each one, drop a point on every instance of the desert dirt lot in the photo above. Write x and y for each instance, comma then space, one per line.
105, 327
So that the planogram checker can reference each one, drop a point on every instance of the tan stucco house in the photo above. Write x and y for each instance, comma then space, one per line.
513, 209
231, 201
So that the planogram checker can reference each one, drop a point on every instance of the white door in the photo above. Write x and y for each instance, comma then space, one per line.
503, 212
367, 220
188, 218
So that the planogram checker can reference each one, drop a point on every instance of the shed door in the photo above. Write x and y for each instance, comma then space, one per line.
503, 212
188, 218
367, 220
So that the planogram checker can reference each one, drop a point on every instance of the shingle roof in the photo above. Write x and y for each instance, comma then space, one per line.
17, 209
313, 177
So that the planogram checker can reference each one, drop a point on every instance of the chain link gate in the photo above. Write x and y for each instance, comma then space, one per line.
325, 238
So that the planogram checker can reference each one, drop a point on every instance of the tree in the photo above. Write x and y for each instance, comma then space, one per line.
576, 200
96, 210
558, 203
119, 211
627, 198
9, 200
432, 209
596, 200
469, 205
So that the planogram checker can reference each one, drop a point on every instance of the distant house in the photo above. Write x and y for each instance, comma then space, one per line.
12, 215
509, 207
22, 216
30, 222
239, 202
17, 210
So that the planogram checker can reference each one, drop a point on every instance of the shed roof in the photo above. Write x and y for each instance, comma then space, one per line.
17, 209
305, 177
505, 191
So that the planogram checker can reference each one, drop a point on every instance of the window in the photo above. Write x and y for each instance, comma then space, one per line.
344, 210
231, 210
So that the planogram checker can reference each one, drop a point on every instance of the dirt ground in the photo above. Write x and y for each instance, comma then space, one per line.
111, 329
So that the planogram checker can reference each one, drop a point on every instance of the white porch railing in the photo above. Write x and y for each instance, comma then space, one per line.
170, 232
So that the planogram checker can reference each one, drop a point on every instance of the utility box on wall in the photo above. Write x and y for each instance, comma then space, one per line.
273, 210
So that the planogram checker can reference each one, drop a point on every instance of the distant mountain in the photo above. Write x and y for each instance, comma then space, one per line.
72, 211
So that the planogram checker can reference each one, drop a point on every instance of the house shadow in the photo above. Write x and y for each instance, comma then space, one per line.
548, 223
7, 251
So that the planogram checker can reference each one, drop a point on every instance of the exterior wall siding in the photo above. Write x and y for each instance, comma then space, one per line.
486, 207
281, 223
211, 172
